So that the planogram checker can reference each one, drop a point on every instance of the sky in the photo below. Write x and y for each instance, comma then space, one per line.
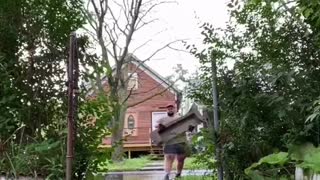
177, 21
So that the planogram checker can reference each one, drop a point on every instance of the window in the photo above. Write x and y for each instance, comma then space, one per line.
131, 122
133, 81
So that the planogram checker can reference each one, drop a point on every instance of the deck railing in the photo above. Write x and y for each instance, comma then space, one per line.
138, 135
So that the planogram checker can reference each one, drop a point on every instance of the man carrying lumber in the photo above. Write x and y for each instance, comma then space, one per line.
175, 148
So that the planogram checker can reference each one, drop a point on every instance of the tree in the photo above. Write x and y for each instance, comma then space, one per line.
33, 46
268, 91
114, 24
34, 62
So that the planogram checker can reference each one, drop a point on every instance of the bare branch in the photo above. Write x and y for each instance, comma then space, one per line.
163, 47
151, 96
130, 76
144, 92
99, 33
181, 50
126, 99
152, 7
101, 7
92, 34
115, 1
145, 43
132, 8
116, 22
126, 12
144, 24
95, 8
113, 42
131, 90
129, 36
90, 19
147, 2
111, 54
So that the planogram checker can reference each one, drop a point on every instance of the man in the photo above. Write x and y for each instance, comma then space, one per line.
174, 148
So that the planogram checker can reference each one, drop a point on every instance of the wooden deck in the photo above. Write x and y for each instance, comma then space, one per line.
137, 143
129, 148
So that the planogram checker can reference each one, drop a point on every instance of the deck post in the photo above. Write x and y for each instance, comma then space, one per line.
129, 154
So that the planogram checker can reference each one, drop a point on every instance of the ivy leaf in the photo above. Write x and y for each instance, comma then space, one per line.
230, 5
308, 12
273, 159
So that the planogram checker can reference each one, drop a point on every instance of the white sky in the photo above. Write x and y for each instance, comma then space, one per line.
179, 20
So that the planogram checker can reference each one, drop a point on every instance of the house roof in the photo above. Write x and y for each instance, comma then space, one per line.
156, 76
160, 79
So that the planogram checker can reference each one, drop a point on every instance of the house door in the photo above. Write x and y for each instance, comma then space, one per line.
155, 117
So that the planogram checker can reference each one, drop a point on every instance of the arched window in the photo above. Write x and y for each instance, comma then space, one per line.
131, 122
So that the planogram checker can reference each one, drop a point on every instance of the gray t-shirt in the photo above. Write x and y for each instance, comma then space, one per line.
181, 138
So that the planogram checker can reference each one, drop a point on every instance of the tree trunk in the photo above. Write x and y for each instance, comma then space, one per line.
117, 133
120, 110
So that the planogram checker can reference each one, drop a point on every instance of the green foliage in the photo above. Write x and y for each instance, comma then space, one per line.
282, 164
34, 38
34, 35
306, 156
94, 116
133, 164
311, 12
279, 159
33, 159
194, 163
204, 156
268, 82
316, 112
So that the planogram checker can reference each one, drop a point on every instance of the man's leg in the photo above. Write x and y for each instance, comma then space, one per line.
168, 161
180, 163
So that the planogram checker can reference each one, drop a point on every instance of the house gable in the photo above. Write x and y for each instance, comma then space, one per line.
150, 87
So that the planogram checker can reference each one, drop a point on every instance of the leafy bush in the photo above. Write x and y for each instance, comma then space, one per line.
204, 148
282, 164
38, 158
94, 116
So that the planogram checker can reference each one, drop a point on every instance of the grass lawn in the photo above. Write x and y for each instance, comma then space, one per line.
190, 164
138, 163
127, 165
195, 178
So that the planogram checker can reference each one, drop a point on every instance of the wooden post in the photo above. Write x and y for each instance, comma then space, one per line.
73, 72
129, 154
216, 121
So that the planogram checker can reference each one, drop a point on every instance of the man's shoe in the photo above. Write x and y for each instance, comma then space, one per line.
178, 175
166, 177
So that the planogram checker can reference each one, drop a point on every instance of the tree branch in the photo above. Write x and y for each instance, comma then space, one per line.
163, 47
143, 44
152, 7
100, 17
150, 97
116, 22
181, 50
144, 24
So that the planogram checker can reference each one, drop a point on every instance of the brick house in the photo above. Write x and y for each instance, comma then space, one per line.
154, 92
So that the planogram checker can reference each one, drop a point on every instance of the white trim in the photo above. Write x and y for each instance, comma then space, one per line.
154, 121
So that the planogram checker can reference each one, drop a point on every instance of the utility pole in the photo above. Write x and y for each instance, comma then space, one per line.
73, 75
216, 121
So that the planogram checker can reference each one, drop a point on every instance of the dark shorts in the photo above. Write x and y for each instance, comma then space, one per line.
175, 148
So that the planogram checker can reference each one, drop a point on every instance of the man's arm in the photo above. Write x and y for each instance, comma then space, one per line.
160, 125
